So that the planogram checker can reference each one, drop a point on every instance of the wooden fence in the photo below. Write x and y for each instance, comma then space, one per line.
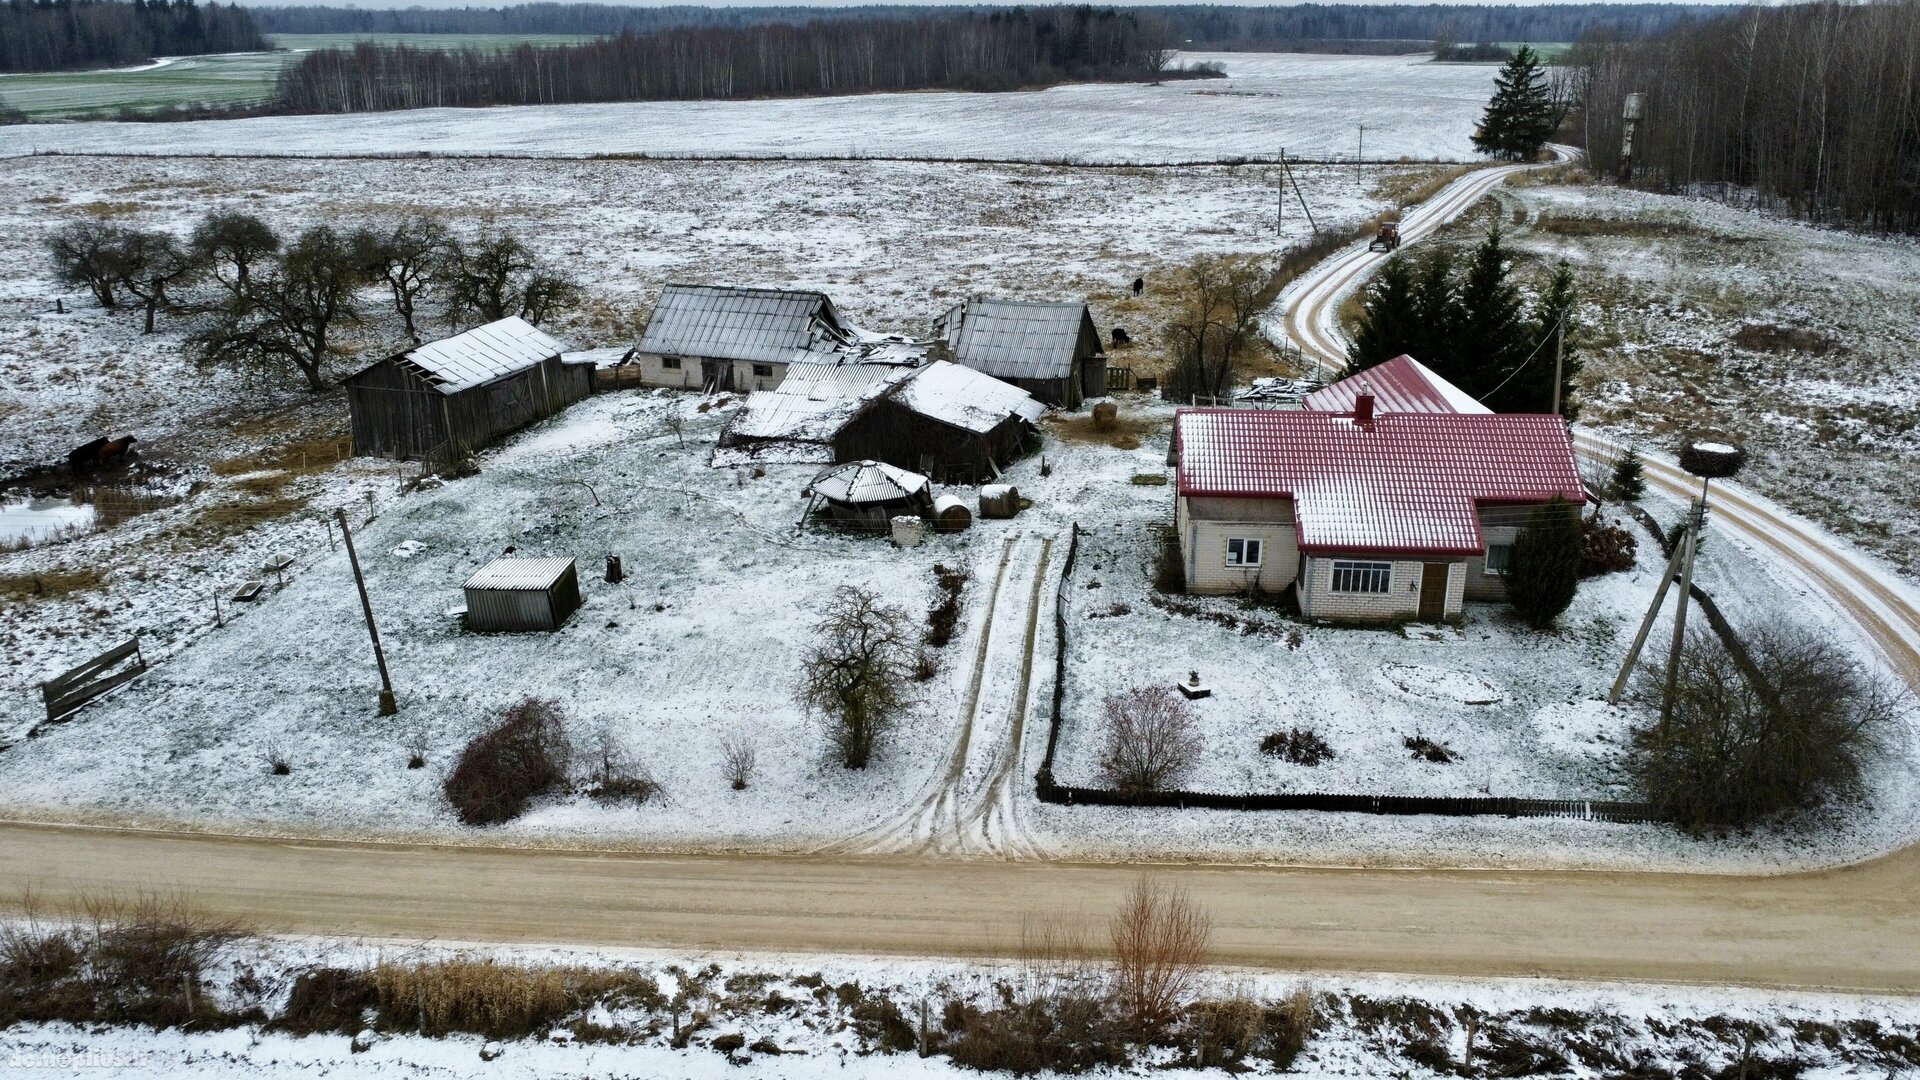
1119, 378
73, 688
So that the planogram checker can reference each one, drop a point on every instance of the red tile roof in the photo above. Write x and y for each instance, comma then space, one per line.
1408, 483
1401, 385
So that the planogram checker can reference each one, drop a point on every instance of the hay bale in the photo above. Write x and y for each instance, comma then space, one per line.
950, 515
999, 501
1106, 416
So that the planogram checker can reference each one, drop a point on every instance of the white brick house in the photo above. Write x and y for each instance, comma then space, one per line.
1367, 516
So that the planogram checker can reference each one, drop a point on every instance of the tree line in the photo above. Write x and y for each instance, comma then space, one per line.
61, 35
997, 51
260, 300
1812, 110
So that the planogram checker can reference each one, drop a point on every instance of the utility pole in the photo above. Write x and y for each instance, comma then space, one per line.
388, 704
1559, 342
1280, 204
1361, 153
1690, 544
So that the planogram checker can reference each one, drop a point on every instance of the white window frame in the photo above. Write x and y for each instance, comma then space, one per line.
1505, 560
1361, 571
1240, 561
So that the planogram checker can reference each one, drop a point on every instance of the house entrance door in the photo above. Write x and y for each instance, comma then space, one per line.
1433, 592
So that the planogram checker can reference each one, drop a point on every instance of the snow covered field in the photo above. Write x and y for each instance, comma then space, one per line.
1309, 104
1363, 1027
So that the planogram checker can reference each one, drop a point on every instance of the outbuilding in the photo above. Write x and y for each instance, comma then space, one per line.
870, 494
1050, 350
723, 338
442, 401
511, 594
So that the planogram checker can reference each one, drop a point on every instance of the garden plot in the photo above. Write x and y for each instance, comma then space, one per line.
700, 642
1310, 104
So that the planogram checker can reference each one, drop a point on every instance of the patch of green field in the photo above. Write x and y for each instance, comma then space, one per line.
225, 79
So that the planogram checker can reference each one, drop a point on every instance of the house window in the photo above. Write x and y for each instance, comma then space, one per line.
1362, 577
763, 371
1498, 555
670, 363
1243, 552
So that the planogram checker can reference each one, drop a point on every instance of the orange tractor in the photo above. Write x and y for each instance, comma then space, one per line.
1388, 238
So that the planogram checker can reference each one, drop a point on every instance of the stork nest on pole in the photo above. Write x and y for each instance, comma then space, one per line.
1712, 460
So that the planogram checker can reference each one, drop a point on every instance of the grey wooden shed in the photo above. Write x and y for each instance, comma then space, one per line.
1050, 350
523, 594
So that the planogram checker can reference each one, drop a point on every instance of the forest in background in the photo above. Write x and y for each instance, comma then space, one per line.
64, 35
1812, 110
1000, 50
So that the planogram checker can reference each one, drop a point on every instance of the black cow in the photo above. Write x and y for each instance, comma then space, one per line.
1139, 285
1120, 337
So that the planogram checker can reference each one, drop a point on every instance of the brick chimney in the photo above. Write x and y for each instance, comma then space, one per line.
1363, 407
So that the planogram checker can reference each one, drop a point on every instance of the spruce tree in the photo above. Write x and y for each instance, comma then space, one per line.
1543, 569
1390, 320
1554, 326
1520, 117
1435, 315
1629, 476
1490, 336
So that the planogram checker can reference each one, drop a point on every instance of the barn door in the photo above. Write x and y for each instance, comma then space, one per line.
1433, 592
716, 374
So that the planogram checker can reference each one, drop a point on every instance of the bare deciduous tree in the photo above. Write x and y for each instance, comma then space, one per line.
287, 316
1217, 324
856, 673
150, 264
738, 760
92, 254
495, 275
231, 245
1160, 936
1152, 739
407, 257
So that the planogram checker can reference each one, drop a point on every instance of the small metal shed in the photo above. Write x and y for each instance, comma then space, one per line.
523, 594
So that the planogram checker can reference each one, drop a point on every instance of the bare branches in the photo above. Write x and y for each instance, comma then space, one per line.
1152, 739
855, 675
1219, 322
495, 275
287, 316
738, 760
1159, 937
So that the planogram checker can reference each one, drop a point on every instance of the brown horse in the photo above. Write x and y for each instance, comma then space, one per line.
91, 455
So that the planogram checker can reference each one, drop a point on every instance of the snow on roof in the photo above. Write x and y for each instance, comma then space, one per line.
1406, 483
1015, 339
867, 482
482, 354
965, 398
515, 575
757, 325
1401, 385
611, 356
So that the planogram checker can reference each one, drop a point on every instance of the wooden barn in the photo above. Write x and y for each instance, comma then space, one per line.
1050, 350
444, 400
714, 338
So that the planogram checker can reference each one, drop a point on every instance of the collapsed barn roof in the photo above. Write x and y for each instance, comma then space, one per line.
481, 355
769, 326
859, 483
816, 400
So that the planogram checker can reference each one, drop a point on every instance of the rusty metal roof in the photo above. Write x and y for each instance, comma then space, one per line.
758, 325
516, 575
482, 354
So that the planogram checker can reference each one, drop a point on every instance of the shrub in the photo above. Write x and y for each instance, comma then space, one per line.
140, 963
1065, 1030
855, 675
483, 996
1152, 739
1301, 746
1425, 749
1629, 476
277, 764
925, 667
619, 778
1543, 571
1735, 750
328, 1000
505, 767
738, 760
879, 1023
1159, 938
1606, 549
944, 616
417, 750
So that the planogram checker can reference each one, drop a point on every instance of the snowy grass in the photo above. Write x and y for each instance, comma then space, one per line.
1312, 105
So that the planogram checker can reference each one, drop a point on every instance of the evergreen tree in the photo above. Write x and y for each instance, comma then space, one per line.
1436, 314
1543, 570
1390, 322
1489, 333
1521, 116
1629, 476
1554, 327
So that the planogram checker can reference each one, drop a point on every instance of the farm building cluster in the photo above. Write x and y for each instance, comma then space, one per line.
1390, 495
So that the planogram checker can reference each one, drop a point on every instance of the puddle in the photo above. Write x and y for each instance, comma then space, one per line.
26, 520
36, 521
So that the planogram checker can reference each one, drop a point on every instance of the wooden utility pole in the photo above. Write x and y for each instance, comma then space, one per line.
1689, 544
388, 704
1559, 350
1361, 153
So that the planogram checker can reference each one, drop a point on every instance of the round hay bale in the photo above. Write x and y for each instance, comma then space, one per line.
950, 515
1712, 460
999, 501
1106, 415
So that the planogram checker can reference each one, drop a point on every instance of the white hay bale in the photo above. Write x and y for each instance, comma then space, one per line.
951, 515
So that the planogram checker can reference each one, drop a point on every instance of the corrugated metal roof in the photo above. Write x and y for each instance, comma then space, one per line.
515, 574
1408, 482
965, 398
1015, 339
758, 325
1401, 385
482, 354
867, 482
